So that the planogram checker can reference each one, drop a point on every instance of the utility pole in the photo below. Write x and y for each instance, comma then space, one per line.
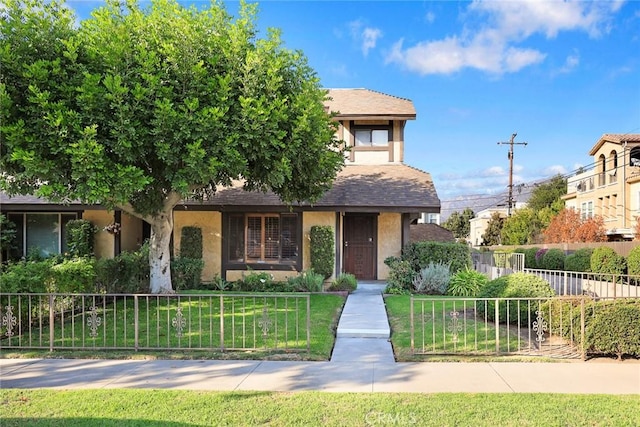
511, 144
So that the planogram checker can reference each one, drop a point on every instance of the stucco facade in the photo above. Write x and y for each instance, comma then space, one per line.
611, 189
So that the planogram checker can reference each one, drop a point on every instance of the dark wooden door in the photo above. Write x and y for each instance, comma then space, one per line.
359, 240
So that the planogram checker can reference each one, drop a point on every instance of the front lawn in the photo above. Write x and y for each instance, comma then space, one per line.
200, 333
131, 407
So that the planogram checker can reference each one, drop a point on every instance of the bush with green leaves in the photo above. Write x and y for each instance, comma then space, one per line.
186, 273
633, 262
307, 281
553, 259
466, 283
400, 276
8, 234
25, 276
344, 282
614, 329
517, 285
125, 273
75, 275
530, 258
605, 260
579, 261
421, 254
254, 281
80, 235
191, 242
433, 279
322, 254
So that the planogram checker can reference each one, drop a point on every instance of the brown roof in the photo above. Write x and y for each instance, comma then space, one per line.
357, 188
365, 103
430, 233
617, 138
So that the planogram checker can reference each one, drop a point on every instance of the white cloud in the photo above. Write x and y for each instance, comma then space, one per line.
430, 17
369, 39
494, 171
570, 63
493, 45
554, 170
366, 37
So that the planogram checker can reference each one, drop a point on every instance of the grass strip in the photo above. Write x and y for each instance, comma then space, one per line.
134, 407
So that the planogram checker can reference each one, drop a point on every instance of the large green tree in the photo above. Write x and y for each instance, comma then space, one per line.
492, 234
458, 223
548, 195
138, 108
521, 228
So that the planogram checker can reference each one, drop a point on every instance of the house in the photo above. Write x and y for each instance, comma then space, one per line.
430, 232
611, 188
370, 206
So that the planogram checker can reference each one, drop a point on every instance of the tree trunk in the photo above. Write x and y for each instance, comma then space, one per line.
159, 253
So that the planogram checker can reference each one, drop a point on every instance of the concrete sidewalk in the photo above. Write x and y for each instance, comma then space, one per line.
502, 377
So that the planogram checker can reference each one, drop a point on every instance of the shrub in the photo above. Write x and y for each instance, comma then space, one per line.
553, 259
605, 260
433, 279
186, 273
322, 250
25, 276
254, 282
344, 282
400, 274
580, 260
80, 235
307, 281
466, 283
530, 258
191, 242
615, 329
125, 273
633, 261
72, 276
540, 256
421, 254
563, 317
516, 285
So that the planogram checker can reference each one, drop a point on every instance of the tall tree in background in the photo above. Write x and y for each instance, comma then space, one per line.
492, 234
458, 223
521, 228
137, 109
548, 194
569, 227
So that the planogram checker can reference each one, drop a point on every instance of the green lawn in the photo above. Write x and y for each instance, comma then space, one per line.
438, 337
254, 324
194, 408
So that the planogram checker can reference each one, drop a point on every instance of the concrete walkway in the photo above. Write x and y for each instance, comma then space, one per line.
363, 333
362, 361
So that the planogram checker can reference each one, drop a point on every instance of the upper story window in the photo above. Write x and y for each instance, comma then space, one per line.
372, 137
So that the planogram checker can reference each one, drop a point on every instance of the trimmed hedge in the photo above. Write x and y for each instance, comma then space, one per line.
580, 260
191, 242
553, 259
633, 261
605, 260
516, 285
322, 250
186, 273
614, 329
530, 258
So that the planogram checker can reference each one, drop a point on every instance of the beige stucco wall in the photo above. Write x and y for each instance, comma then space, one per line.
131, 236
309, 219
103, 244
371, 157
211, 225
389, 240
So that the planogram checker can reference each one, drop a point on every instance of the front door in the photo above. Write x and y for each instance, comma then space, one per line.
360, 254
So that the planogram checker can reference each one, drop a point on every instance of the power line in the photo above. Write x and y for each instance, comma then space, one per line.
511, 144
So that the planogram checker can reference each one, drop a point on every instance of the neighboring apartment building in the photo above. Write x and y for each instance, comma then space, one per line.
611, 188
371, 205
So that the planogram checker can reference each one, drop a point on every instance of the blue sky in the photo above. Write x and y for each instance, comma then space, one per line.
559, 73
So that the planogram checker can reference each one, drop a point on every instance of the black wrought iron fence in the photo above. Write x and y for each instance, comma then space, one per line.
551, 327
222, 321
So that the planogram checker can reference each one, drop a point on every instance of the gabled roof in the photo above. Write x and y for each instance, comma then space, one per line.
430, 233
357, 188
368, 104
617, 138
